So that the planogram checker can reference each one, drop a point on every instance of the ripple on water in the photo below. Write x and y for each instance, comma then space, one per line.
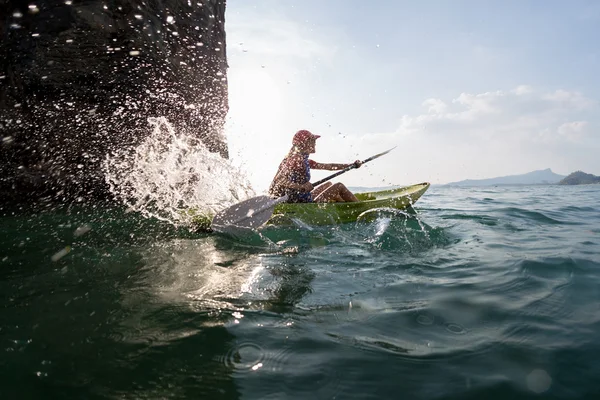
278, 368
455, 328
425, 319
533, 216
305, 373
245, 357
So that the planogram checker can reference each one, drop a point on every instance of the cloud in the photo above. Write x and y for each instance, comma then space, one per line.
521, 113
522, 90
436, 106
573, 130
275, 35
574, 100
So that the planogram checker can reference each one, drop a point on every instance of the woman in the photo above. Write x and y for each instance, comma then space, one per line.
293, 175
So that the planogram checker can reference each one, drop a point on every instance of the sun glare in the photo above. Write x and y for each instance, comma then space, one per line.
255, 107
253, 98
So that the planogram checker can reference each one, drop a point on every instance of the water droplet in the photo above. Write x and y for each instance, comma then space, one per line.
257, 366
538, 381
17, 14
170, 20
61, 253
134, 53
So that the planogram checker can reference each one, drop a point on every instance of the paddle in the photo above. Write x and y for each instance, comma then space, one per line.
254, 212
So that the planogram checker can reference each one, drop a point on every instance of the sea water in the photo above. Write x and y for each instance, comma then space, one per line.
482, 293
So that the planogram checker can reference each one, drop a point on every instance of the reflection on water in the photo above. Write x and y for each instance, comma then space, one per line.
218, 273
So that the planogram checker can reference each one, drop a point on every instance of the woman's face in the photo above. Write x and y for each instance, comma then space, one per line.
309, 146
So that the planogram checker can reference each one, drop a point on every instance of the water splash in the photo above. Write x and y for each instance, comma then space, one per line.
171, 173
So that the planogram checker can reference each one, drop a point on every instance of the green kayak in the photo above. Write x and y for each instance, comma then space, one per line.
336, 213
339, 213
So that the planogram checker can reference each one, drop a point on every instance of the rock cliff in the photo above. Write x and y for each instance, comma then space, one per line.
79, 78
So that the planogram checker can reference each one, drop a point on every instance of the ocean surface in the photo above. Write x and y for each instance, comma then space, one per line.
479, 293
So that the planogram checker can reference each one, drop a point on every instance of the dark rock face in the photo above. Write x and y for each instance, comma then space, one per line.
80, 78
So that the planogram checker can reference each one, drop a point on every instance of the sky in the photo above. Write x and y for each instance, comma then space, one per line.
464, 89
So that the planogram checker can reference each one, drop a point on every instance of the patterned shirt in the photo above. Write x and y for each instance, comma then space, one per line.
294, 168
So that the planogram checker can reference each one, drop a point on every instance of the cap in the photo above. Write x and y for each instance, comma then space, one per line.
303, 136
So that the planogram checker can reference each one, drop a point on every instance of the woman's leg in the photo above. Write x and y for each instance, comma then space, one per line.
319, 189
335, 192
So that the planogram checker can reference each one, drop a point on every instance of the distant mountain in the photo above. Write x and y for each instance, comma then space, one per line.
541, 177
579, 178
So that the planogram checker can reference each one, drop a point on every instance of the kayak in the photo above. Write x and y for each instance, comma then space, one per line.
337, 213
341, 213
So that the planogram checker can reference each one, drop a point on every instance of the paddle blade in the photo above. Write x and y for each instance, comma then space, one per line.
250, 213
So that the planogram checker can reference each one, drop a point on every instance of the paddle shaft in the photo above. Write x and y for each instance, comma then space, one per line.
317, 183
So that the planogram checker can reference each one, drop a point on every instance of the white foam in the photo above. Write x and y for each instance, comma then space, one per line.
170, 172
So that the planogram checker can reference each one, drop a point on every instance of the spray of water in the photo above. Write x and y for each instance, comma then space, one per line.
171, 173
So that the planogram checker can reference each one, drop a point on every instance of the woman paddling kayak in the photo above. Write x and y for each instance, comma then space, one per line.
293, 175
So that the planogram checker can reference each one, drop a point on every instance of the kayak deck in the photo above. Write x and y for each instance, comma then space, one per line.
336, 213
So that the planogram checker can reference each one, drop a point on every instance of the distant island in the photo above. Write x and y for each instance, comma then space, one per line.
541, 177
580, 178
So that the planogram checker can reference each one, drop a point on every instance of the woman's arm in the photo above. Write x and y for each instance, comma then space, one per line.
333, 166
